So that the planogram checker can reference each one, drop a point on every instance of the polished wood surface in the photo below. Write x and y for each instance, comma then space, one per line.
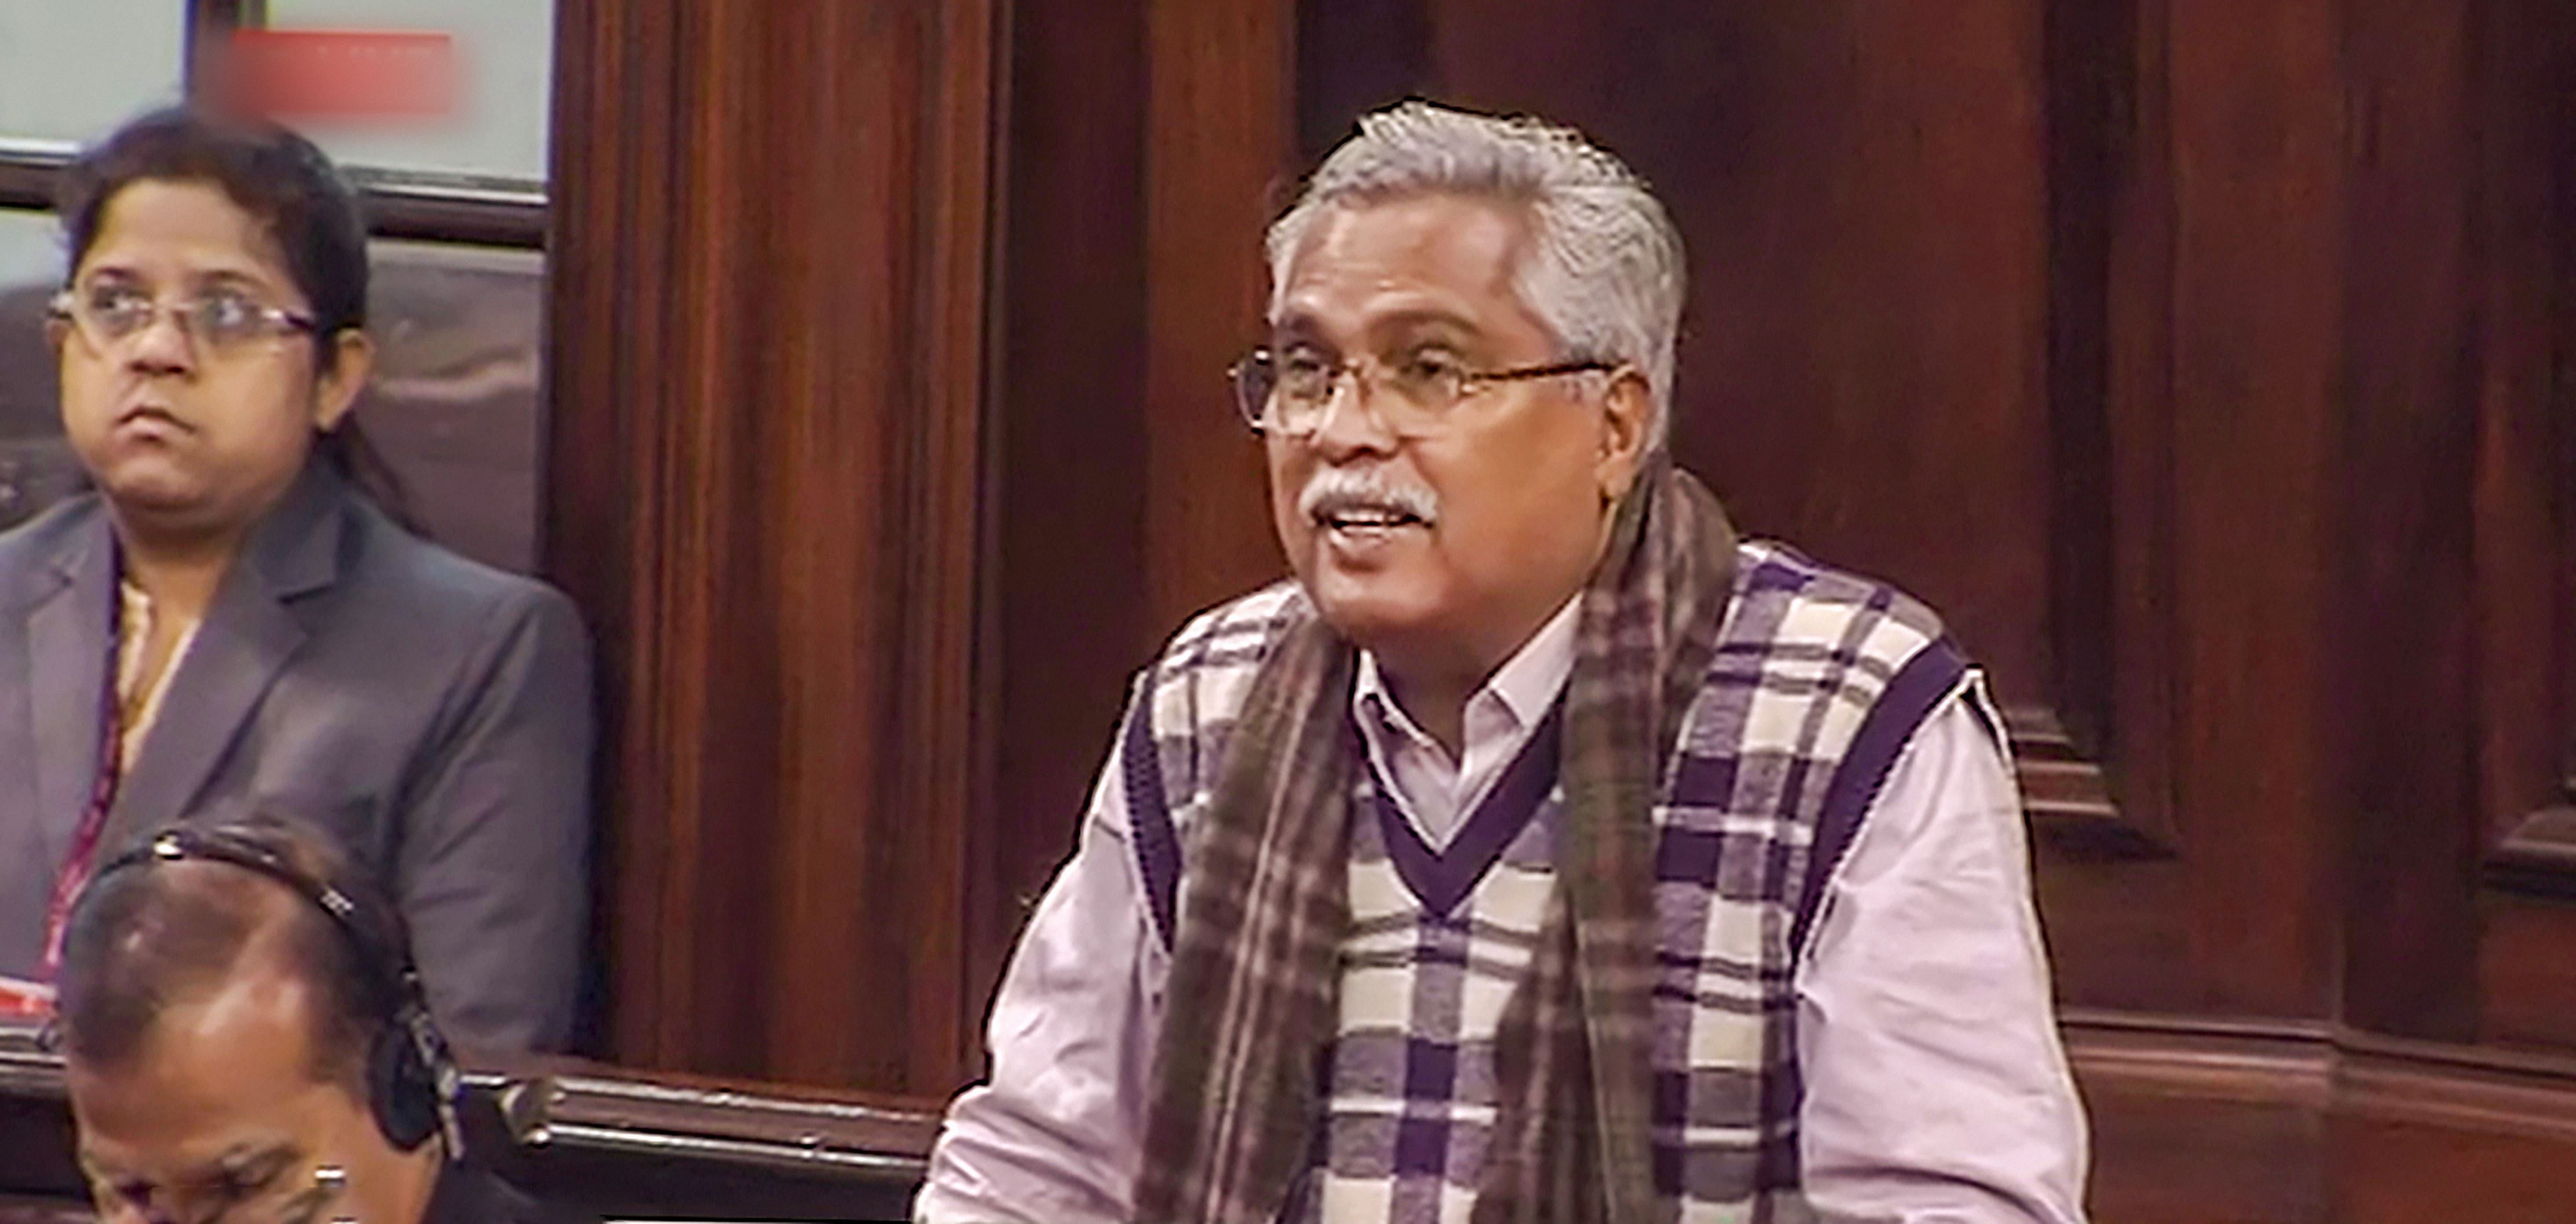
617, 1143
1066, 623
1992, 300
1147, 143
2210, 1123
769, 304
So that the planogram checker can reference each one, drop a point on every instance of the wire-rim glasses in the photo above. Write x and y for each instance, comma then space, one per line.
1289, 395
111, 315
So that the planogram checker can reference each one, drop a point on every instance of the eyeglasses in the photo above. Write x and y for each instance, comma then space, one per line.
220, 323
1288, 395
316, 1197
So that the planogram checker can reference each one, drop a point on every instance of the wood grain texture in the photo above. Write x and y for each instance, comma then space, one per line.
2404, 527
2537, 856
767, 431
1069, 616
2109, 219
2068, 797
2526, 979
2417, 1135
2524, 497
1219, 141
2196, 1124
2215, 1121
1147, 143
2255, 298
1932, 336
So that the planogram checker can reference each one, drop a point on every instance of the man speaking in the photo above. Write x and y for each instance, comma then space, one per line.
1542, 852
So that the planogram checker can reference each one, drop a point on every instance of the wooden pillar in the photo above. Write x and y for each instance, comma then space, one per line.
769, 256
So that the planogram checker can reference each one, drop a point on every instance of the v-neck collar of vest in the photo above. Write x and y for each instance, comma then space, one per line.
1442, 878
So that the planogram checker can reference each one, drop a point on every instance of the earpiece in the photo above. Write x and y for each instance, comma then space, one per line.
411, 1078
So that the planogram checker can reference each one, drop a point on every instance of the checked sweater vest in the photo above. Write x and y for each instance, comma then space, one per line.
1819, 683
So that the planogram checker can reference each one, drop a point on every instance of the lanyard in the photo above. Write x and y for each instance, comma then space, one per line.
83, 859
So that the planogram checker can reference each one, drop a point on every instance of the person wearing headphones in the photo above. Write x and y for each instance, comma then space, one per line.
245, 1040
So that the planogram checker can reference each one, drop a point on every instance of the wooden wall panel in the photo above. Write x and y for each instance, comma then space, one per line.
1148, 141
2481, 1140
2453, 524
2526, 974
1067, 508
1862, 191
2110, 223
2202, 1124
2523, 599
2525, 496
2256, 185
2414, 328
1219, 142
2407, 1172
2004, 302
768, 405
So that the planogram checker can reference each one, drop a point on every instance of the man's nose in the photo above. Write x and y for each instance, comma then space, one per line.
1350, 424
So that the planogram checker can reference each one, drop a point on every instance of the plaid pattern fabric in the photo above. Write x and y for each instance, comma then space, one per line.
1641, 1064
1818, 683
1574, 1130
1426, 973
1254, 932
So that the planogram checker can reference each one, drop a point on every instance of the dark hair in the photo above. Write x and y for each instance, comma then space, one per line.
285, 182
156, 934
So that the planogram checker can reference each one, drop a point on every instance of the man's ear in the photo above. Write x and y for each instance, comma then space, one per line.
336, 391
57, 330
1627, 432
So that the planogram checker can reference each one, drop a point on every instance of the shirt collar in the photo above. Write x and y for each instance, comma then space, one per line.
1523, 687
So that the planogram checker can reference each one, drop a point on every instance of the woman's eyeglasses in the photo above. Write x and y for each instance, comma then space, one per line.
220, 322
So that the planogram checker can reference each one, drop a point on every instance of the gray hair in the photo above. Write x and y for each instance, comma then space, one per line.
1605, 270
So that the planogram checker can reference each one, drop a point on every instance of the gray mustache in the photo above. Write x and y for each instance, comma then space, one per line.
1335, 489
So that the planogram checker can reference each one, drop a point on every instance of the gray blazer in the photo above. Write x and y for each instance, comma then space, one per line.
431, 714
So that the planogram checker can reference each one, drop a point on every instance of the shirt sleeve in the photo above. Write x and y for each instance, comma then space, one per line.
1057, 1132
1937, 1091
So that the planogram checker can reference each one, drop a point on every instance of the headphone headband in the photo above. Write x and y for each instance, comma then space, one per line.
408, 1058
387, 965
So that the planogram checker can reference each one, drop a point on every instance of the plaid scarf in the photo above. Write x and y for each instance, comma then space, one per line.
1263, 908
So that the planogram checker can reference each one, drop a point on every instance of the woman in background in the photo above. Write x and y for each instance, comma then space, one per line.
228, 623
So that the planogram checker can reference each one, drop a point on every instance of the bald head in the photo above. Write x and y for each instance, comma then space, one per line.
217, 1022
200, 941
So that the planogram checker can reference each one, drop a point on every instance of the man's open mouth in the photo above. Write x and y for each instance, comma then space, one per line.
1369, 518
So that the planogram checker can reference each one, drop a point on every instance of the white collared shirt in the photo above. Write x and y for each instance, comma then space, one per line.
1434, 792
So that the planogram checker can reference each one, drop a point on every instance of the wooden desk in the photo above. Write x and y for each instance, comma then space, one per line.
620, 1143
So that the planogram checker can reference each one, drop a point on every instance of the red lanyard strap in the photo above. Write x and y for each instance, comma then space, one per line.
83, 860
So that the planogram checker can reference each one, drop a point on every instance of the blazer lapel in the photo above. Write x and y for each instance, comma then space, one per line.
248, 635
66, 635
